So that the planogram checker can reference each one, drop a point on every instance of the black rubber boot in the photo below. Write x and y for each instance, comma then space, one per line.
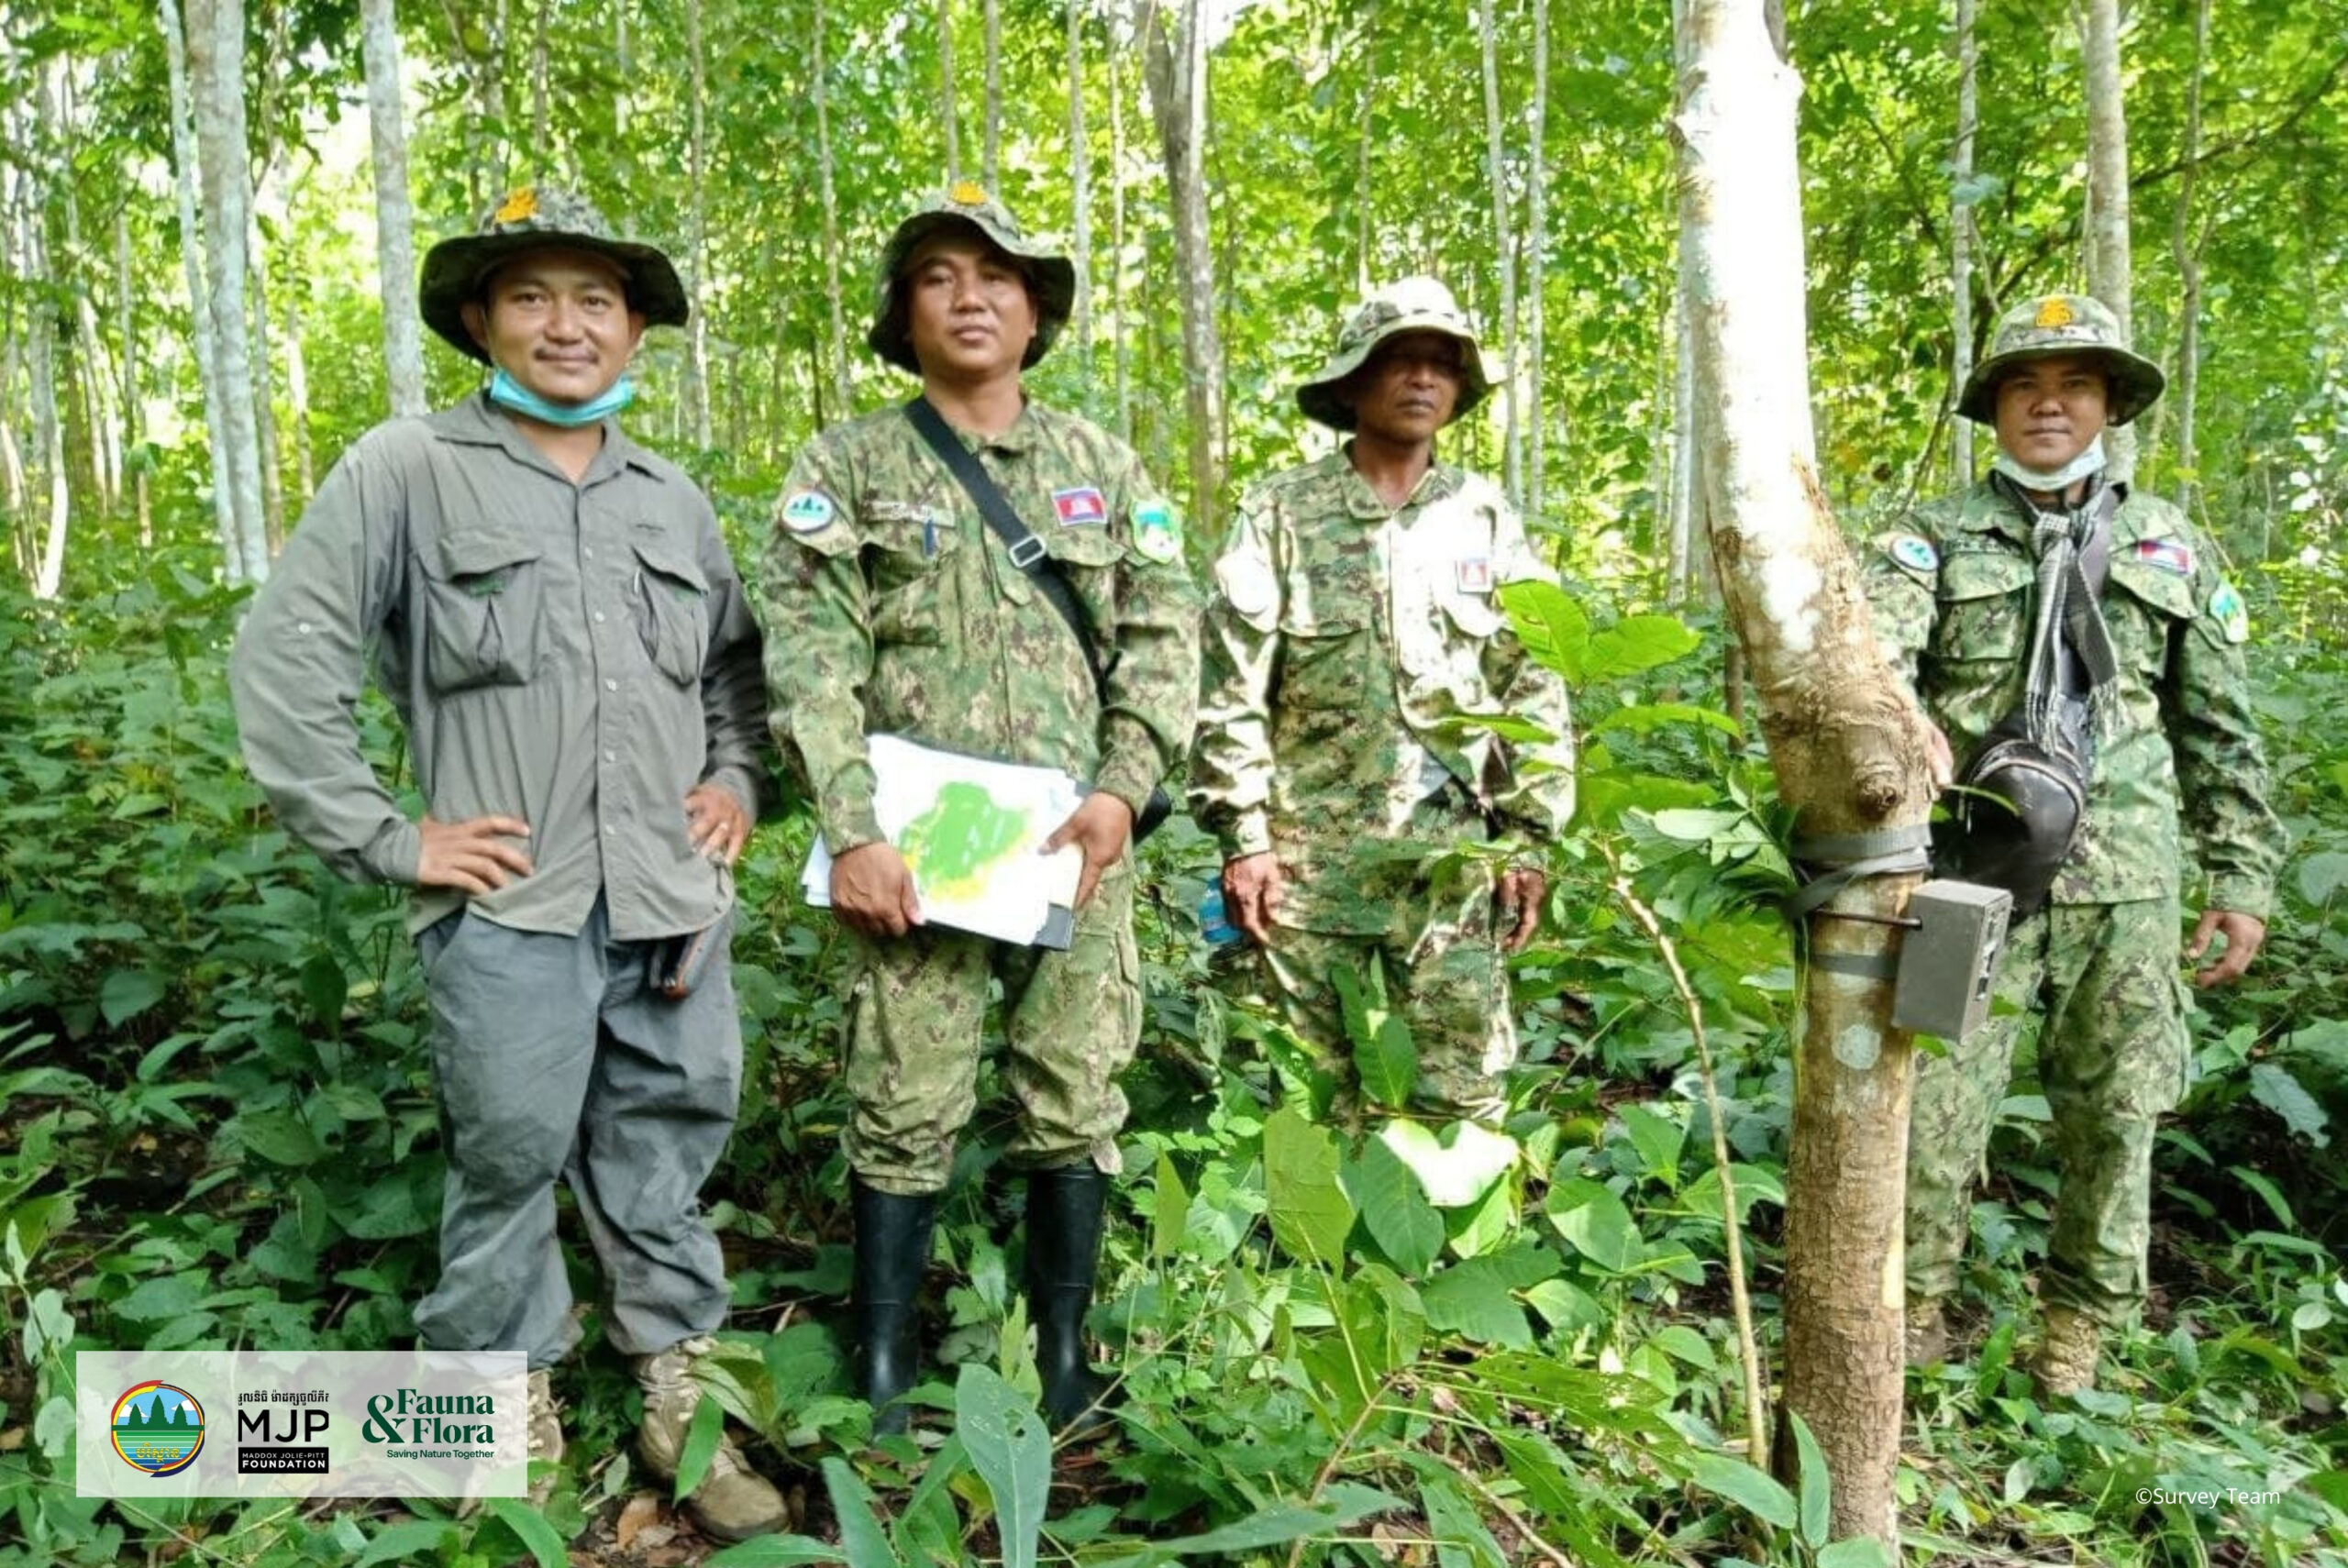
1064, 1209
892, 1252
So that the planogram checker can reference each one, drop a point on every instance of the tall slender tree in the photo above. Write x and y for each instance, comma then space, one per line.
835, 307
215, 61
1962, 199
1536, 250
1079, 180
2111, 274
990, 153
394, 206
1503, 249
1174, 62
697, 229
201, 337
2187, 250
1849, 745
948, 110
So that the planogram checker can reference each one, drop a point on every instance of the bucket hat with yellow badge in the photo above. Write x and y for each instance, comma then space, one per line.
539, 217
1411, 304
2064, 323
1051, 276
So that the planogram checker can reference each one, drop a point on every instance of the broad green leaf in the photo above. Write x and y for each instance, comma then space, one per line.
1461, 1539
2276, 1088
1564, 1305
2322, 875
1817, 1482
1456, 1168
1171, 1220
700, 1446
1387, 1063
127, 993
1009, 1447
860, 1534
1309, 1212
1476, 1298
1645, 718
1553, 628
165, 1296
1637, 643
775, 1552
1685, 1345
1473, 1231
1859, 1552
530, 1528
55, 1426
325, 987
1658, 1139
1695, 826
1589, 1215
279, 1136
1394, 1208
411, 1540
2268, 1191
1750, 1489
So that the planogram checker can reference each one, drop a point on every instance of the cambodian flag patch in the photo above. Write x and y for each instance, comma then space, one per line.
2169, 555
1081, 508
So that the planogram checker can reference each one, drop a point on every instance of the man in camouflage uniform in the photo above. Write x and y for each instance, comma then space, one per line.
552, 611
890, 607
1354, 640
2174, 746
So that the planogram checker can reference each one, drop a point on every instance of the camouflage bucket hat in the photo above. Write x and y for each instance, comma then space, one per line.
2062, 323
537, 217
1413, 305
966, 204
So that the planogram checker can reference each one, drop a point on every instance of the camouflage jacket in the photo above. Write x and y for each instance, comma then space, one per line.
895, 610
1349, 649
1954, 609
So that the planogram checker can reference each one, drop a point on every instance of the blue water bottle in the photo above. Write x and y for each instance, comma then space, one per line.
1214, 921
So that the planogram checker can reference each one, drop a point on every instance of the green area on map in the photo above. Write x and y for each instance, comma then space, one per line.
955, 845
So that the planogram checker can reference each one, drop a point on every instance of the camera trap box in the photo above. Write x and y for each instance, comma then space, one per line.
1949, 963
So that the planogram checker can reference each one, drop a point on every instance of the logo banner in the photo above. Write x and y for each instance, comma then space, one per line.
300, 1423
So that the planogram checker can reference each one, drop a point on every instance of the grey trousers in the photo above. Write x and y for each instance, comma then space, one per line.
554, 1059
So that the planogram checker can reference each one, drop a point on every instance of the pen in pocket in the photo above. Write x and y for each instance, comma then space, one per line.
928, 539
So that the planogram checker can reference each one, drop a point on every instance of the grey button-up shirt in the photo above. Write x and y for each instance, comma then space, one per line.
578, 656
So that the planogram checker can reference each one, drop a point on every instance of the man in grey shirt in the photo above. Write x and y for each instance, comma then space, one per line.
552, 611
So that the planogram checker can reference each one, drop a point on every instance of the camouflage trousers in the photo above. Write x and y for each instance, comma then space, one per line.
1446, 977
2102, 983
554, 1059
917, 1007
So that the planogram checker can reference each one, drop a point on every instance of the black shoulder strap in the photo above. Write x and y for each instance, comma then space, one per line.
1026, 550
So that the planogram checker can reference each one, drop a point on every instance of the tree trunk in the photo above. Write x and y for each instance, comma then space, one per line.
541, 119
1960, 238
1117, 336
98, 388
696, 233
1079, 166
947, 112
1365, 206
2188, 270
836, 371
1504, 253
273, 471
297, 393
201, 333
29, 220
1536, 250
1687, 441
1847, 744
134, 414
990, 155
1176, 67
620, 63
2108, 269
394, 208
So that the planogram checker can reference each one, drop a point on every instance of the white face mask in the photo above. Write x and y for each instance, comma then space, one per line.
2088, 462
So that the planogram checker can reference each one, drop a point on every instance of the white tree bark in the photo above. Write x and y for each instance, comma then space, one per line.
946, 110
990, 155
1176, 66
2108, 260
1503, 252
26, 215
394, 207
697, 233
215, 59
620, 60
297, 393
1079, 168
1537, 248
2189, 269
835, 307
1117, 334
134, 416
1960, 238
201, 334
1848, 746
1365, 163
272, 472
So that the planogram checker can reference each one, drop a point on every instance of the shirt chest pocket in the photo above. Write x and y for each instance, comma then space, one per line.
1328, 638
671, 608
484, 600
908, 563
1985, 609
2145, 608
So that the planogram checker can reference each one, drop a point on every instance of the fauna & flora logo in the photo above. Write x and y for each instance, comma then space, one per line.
157, 1428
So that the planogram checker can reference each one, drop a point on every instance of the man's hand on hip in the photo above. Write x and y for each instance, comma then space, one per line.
472, 855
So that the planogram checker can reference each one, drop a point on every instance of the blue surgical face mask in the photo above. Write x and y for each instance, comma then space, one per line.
2090, 460
509, 394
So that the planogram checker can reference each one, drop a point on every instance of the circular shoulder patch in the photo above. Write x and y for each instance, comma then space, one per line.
1158, 533
1247, 585
808, 512
1914, 552
2226, 608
